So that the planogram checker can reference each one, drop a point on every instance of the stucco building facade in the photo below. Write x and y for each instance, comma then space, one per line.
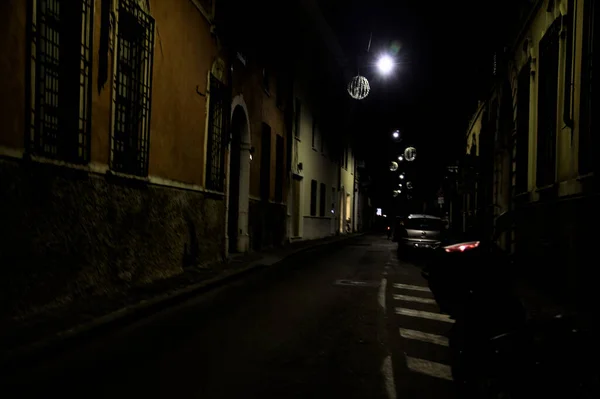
535, 142
144, 137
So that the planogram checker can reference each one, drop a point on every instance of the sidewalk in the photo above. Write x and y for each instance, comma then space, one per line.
102, 313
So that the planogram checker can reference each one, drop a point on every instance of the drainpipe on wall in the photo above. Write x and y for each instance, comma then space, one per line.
354, 194
339, 203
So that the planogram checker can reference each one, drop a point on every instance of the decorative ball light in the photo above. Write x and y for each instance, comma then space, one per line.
394, 166
359, 87
396, 192
409, 185
410, 154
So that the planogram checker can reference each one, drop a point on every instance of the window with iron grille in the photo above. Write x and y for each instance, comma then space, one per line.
547, 106
279, 168
61, 59
522, 156
133, 90
218, 128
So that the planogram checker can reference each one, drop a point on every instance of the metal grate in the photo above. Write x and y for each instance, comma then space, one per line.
217, 134
62, 58
133, 90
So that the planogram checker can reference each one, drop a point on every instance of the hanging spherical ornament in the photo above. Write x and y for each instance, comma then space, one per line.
358, 88
410, 154
396, 193
394, 166
409, 185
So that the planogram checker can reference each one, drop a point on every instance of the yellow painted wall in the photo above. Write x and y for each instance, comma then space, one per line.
183, 54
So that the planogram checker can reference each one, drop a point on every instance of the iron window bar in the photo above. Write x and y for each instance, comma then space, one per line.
62, 59
217, 134
130, 141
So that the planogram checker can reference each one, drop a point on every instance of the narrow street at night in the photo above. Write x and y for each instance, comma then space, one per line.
343, 320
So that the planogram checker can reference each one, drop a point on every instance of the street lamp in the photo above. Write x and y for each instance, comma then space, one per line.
396, 134
385, 64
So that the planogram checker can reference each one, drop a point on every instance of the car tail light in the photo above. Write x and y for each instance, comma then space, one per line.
462, 247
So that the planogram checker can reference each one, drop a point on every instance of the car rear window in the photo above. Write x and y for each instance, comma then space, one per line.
423, 224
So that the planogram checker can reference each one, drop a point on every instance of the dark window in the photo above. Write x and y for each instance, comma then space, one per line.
547, 106
279, 168
314, 133
313, 198
266, 77
218, 128
280, 91
131, 131
522, 157
423, 224
346, 157
589, 141
323, 200
62, 58
297, 118
265, 162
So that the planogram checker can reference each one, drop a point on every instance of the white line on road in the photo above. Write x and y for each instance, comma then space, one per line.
412, 287
427, 367
381, 294
425, 337
424, 315
388, 376
409, 298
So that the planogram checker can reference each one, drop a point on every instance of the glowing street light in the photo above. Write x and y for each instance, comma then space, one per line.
400, 158
385, 64
402, 176
396, 134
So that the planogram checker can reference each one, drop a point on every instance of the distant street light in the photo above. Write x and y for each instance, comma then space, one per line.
402, 176
396, 134
400, 158
385, 64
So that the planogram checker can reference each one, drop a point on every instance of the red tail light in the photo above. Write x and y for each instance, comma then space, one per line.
462, 247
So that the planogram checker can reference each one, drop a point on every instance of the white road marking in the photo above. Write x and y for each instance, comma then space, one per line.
427, 367
388, 376
425, 337
424, 315
409, 298
381, 293
412, 287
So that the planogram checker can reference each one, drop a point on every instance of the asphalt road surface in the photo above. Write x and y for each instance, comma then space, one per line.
348, 320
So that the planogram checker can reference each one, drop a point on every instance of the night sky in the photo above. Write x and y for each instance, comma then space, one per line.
444, 66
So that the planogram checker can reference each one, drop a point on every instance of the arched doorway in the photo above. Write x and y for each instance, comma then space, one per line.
239, 180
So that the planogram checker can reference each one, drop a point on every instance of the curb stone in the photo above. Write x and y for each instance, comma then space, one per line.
146, 307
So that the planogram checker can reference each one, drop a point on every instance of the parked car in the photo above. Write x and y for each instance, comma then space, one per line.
419, 231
